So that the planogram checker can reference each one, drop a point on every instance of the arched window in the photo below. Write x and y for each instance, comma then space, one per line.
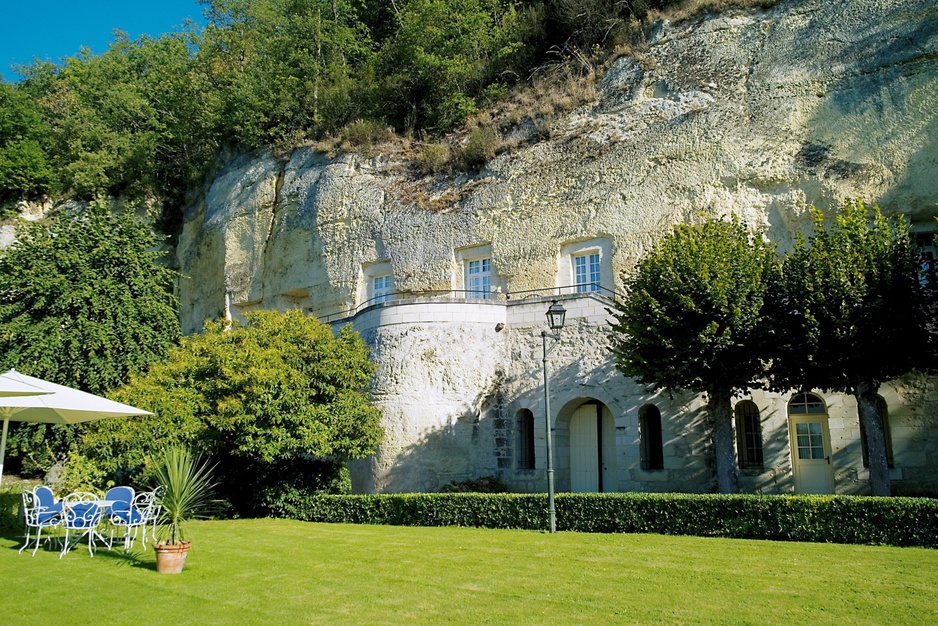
649, 424
806, 403
748, 435
525, 439
883, 413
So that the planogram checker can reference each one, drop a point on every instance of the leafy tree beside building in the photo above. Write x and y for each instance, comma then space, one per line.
279, 402
84, 302
850, 310
84, 299
692, 318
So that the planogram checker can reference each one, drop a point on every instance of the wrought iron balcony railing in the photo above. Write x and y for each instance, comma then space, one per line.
461, 295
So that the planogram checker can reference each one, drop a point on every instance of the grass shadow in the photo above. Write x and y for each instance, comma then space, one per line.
132, 559
53, 543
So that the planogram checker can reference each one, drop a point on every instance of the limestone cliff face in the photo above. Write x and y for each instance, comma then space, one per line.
759, 114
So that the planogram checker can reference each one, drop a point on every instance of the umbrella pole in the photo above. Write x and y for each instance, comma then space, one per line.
3, 445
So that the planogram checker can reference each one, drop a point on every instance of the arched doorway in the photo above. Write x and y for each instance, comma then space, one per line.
592, 449
810, 444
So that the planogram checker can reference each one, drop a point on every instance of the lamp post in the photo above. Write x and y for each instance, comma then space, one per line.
555, 319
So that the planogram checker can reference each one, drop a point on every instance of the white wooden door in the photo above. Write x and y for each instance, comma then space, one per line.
592, 449
811, 454
584, 451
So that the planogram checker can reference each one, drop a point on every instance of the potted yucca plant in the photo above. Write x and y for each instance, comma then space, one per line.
187, 484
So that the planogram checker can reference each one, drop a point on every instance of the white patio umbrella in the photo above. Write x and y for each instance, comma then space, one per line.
56, 404
10, 387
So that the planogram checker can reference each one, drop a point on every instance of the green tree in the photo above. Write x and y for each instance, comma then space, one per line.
25, 170
444, 53
285, 68
691, 320
257, 396
850, 310
183, 112
84, 302
134, 121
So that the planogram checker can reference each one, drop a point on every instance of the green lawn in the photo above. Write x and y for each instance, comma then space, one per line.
286, 572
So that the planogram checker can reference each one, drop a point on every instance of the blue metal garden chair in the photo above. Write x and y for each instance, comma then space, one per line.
120, 501
81, 512
129, 514
41, 511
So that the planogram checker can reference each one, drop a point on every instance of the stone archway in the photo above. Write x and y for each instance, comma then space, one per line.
586, 450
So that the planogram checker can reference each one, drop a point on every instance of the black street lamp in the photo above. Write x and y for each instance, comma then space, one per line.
556, 315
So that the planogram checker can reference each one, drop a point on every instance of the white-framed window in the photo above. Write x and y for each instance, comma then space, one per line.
806, 403
475, 274
381, 288
586, 272
479, 278
585, 266
376, 283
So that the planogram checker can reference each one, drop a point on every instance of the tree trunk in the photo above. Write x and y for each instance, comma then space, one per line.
875, 439
721, 413
318, 66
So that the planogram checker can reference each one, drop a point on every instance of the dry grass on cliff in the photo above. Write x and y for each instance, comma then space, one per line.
691, 9
437, 172
366, 137
528, 114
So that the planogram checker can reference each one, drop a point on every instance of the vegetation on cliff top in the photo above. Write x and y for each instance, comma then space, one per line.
148, 117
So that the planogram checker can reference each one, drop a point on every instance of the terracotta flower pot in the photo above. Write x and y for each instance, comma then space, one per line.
170, 558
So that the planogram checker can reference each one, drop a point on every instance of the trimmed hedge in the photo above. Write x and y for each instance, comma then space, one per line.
485, 510
11, 520
832, 519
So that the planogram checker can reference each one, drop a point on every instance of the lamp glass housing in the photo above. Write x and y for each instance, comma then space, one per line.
555, 316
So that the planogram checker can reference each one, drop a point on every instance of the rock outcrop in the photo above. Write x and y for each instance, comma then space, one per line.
757, 113
760, 114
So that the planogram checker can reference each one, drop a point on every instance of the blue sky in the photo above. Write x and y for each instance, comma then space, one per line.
52, 29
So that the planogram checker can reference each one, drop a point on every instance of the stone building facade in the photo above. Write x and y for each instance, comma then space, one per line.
760, 114
460, 378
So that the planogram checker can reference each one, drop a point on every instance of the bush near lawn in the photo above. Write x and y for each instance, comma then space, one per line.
827, 519
10, 518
